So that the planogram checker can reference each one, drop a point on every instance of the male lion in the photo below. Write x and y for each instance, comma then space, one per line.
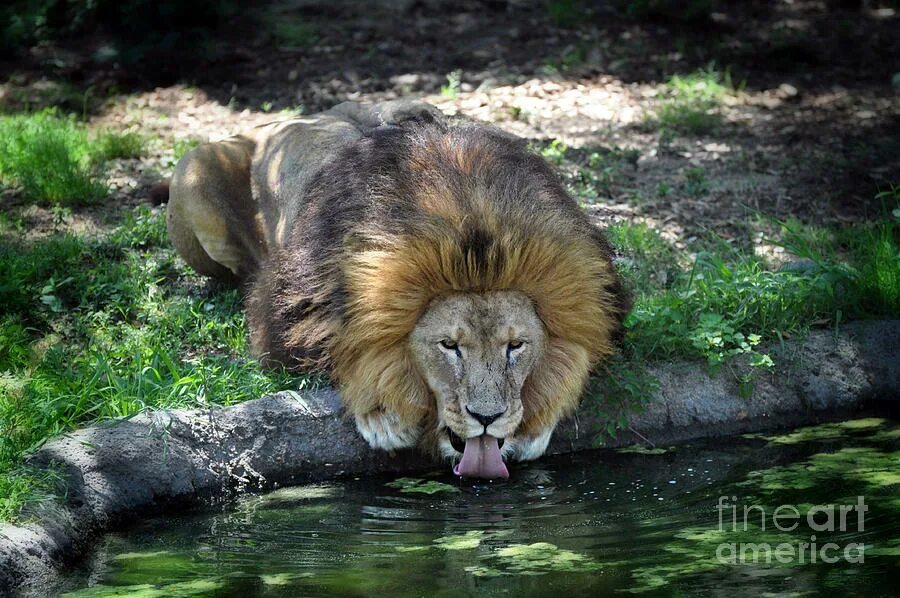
458, 296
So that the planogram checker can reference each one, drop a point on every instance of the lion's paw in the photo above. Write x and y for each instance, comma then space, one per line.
384, 430
528, 448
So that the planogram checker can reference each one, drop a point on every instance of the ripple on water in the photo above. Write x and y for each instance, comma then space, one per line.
587, 524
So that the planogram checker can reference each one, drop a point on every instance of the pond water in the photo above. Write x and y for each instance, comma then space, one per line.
822, 513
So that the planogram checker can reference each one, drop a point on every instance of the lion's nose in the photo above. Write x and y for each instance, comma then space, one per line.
485, 420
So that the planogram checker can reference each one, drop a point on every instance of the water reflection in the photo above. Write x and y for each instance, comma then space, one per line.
631, 521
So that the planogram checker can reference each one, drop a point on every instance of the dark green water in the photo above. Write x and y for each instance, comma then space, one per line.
629, 521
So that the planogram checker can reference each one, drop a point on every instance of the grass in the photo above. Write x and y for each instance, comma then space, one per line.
690, 102
451, 89
182, 147
49, 158
571, 58
589, 174
53, 160
724, 303
110, 145
95, 329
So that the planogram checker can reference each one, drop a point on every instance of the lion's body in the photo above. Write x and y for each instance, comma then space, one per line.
347, 226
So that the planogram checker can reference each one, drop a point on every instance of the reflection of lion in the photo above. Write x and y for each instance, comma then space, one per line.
456, 292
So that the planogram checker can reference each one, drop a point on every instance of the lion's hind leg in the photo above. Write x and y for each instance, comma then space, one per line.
211, 216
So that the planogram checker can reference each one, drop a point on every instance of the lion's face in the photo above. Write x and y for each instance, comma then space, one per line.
475, 352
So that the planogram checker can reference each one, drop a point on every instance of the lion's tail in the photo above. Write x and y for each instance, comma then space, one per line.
159, 193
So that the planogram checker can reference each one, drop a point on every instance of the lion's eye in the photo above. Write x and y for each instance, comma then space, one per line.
450, 345
513, 346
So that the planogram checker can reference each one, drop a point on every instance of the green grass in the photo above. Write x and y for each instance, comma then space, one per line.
690, 102
723, 304
724, 296
110, 146
95, 329
53, 160
182, 147
26, 486
452, 87
589, 174
49, 158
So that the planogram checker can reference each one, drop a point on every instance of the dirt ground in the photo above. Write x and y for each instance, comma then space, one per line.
811, 131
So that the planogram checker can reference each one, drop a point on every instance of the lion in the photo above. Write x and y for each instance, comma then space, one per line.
437, 269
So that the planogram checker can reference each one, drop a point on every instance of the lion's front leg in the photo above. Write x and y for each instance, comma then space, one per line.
384, 430
528, 448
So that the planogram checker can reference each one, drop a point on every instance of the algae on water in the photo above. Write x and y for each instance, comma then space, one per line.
872, 429
183, 589
470, 540
869, 466
420, 486
284, 579
534, 559
642, 450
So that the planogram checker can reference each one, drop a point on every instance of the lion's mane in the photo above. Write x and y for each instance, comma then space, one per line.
415, 212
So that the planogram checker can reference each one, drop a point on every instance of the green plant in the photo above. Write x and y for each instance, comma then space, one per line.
663, 189
860, 263
749, 299
50, 158
623, 387
110, 145
451, 89
596, 176
726, 303
554, 152
649, 263
690, 102
715, 337
570, 58
93, 329
695, 181
182, 147
25, 486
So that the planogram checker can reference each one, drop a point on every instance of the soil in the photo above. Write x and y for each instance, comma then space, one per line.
812, 133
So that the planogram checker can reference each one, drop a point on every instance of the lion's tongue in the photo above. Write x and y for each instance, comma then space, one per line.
481, 459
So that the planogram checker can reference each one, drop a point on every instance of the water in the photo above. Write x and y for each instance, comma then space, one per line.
658, 521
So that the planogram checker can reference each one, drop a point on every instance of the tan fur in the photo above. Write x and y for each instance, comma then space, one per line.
478, 216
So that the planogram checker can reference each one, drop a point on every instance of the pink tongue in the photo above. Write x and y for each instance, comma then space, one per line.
481, 459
